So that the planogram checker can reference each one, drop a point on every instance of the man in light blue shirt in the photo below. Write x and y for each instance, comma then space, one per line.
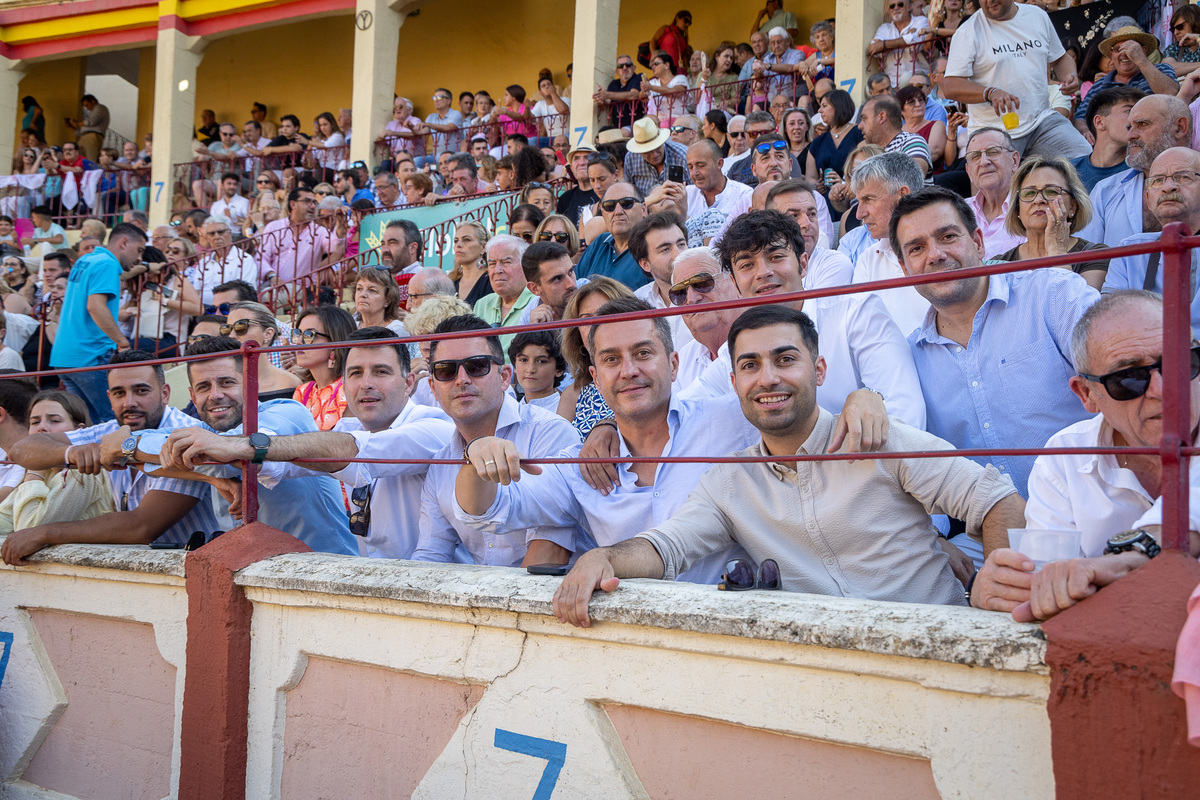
444, 123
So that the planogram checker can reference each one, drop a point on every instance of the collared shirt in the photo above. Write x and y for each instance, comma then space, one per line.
827, 268
1117, 201
935, 111
292, 252
645, 177
855, 242
785, 83
905, 304
450, 141
862, 347
237, 208
694, 359
851, 529
537, 433
307, 507
1092, 493
80, 341
560, 496
680, 334
733, 200
602, 258
213, 270
1129, 272
129, 486
1008, 386
900, 64
488, 309
1138, 81
996, 238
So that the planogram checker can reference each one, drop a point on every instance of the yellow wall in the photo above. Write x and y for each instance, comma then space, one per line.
57, 86
145, 112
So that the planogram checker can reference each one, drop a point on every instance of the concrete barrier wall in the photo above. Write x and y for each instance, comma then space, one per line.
394, 679
91, 674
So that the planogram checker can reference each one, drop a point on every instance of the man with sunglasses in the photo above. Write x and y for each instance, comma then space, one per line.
685, 130
623, 96
697, 281
1172, 195
1115, 501
757, 123
739, 142
623, 207
223, 262
445, 123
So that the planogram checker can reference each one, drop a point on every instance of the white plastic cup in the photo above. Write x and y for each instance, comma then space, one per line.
1042, 546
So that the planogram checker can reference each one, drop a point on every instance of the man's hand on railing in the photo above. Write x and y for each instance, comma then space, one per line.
1003, 582
20, 545
111, 457
187, 446
85, 458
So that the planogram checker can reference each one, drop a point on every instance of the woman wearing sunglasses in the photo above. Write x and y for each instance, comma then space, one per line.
1048, 205
524, 221
1183, 55
253, 322
323, 396
162, 311
557, 228
16, 277
265, 207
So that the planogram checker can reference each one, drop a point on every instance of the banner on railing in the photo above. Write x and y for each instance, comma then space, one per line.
437, 223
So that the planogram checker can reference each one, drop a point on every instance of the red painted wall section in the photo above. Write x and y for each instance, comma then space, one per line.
1116, 728
217, 683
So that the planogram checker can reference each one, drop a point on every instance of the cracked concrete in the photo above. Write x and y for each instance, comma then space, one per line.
128, 558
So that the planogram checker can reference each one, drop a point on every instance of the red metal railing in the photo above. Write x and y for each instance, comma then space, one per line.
428, 143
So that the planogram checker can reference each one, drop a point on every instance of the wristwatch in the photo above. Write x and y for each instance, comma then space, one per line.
129, 450
261, 443
1136, 539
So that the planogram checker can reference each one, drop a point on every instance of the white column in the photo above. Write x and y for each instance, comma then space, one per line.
11, 73
595, 45
856, 25
175, 61
376, 49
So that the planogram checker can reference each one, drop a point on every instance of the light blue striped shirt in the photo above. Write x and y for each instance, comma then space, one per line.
856, 242
130, 486
1129, 272
1008, 386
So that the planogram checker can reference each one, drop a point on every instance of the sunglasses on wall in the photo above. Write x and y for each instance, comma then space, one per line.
475, 366
1132, 382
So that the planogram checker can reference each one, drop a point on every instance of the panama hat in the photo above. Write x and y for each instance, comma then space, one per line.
1130, 32
582, 147
647, 136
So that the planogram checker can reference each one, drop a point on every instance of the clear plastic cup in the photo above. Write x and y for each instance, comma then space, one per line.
1042, 546
1010, 119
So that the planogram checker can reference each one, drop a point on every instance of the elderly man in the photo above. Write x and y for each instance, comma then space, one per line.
623, 94
816, 544
1115, 502
427, 282
387, 190
685, 129
608, 254
1172, 195
510, 296
999, 60
402, 249
758, 47
296, 247
445, 123
654, 242
1156, 123
463, 176
739, 142
882, 124
895, 40
223, 262
697, 281
651, 157
783, 65
1108, 112
91, 129
991, 162
231, 204
712, 198
797, 198
550, 275
1129, 50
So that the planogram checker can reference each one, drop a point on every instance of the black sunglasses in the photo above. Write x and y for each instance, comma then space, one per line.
625, 66
240, 327
360, 521
766, 147
476, 367
626, 203
199, 337
306, 336
736, 134
702, 282
1132, 382
561, 238
222, 309
741, 576
680, 128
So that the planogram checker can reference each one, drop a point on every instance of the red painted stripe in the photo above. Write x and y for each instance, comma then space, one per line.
17, 16
54, 47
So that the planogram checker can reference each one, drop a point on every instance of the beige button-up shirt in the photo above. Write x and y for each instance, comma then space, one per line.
857, 529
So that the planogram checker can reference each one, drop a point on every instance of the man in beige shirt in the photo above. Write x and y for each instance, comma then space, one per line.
850, 528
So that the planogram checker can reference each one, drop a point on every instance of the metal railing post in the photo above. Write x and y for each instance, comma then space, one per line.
1176, 373
250, 356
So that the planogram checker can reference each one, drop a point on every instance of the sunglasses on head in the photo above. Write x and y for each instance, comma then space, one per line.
766, 147
1132, 382
239, 328
702, 282
625, 202
360, 521
561, 238
222, 309
475, 366
359, 165
306, 336
741, 576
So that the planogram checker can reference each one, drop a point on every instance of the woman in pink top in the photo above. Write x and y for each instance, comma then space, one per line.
514, 115
407, 131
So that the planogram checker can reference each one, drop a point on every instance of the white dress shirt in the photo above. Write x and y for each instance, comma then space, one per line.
537, 433
237, 208
1092, 493
862, 347
827, 268
560, 496
212, 271
996, 238
733, 200
680, 335
694, 358
905, 304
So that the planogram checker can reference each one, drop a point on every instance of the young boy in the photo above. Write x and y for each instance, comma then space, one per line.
538, 367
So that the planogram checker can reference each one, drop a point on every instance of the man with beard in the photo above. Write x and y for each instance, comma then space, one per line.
148, 508
402, 247
309, 508
550, 276
1172, 195
1156, 123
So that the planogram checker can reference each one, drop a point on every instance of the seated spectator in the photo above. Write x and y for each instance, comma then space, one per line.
464, 178
47, 235
912, 108
161, 306
377, 300
558, 228
327, 147
10, 359
470, 262
651, 155
404, 132
581, 403
510, 294
820, 65
387, 190
1106, 118
622, 207
550, 276
553, 112
829, 151
426, 283
798, 199
223, 262
324, 395
603, 171
713, 200
795, 125
523, 221
1130, 48
231, 204
265, 207
729, 504
538, 368
895, 40
348, 187
1172, 195
254, 322
697, 280
1115, 501
505, 175
16, 277
882, 124
685, 130
540, 195
665, 92
783, 65
297, 247
1183, 55
403, 250
992, 160
1049, 205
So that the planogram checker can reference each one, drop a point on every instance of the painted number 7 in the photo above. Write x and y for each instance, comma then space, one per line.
582, 133
6, 640
158, 194
555, 754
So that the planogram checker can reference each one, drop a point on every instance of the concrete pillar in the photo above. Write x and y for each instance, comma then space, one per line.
856, 26
11, 73
376, 50
595, 44
176, 59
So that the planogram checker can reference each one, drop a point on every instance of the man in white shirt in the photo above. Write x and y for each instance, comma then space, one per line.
999, 60
230, 203
992, 161
1117, 350
712, 198
879, 183
894, 43
552, 111
654, 242
698, 281
796, 198
223, 262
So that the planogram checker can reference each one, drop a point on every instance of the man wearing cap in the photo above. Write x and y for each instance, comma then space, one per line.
650, 154
623, 95
1129, 49
572, 202
685, 130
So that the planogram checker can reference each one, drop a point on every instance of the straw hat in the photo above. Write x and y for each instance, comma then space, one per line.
611, 136
583, 147
1130, 32
647, 136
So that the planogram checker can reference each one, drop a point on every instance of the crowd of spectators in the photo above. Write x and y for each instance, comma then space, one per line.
988, 148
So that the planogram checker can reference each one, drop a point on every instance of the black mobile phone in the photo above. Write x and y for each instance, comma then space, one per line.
166, 546
548, 569
151, 286
675, 174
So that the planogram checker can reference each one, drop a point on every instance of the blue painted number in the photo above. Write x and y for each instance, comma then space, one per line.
555, 754
582, 132
6, 640
158, 194
848, 85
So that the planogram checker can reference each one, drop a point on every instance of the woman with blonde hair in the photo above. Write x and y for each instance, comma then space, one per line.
470, 274
581, 402
422, 322
558, 228
254, 322
265, 206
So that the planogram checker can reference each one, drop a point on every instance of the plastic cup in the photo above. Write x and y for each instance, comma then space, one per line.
1042, 546
1010, 119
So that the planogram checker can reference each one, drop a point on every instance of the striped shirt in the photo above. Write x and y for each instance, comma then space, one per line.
912, 146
